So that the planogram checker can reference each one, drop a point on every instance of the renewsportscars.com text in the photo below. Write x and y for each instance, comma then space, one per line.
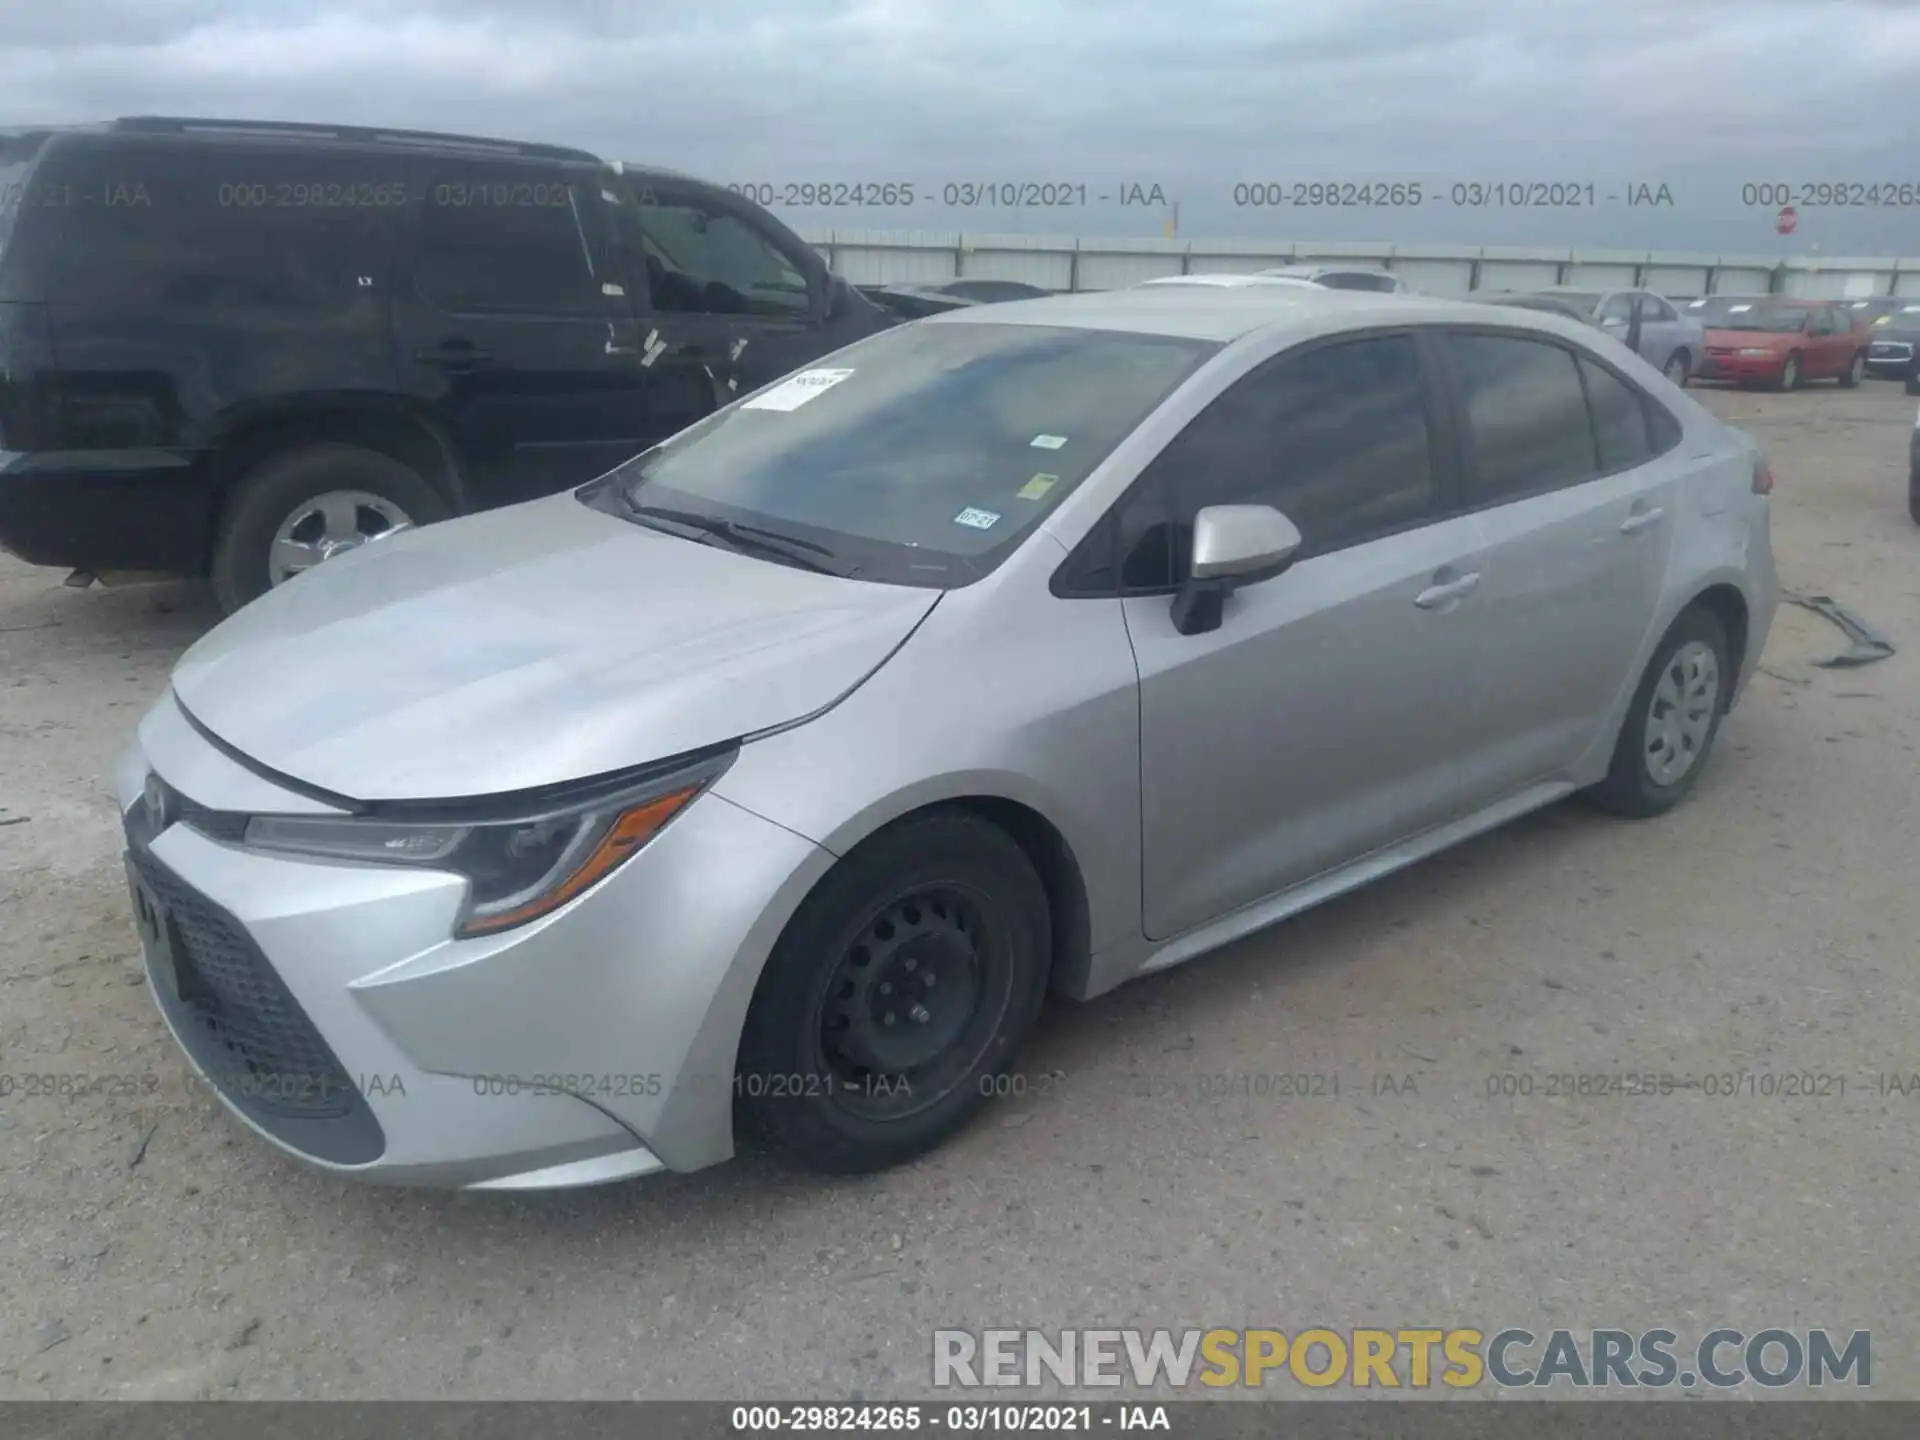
1403, 1358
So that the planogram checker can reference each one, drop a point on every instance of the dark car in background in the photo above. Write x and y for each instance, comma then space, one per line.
1865, 314
234, 349
1893, 345
1783, 343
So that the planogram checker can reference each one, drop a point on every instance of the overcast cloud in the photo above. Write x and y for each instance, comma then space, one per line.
1192, 95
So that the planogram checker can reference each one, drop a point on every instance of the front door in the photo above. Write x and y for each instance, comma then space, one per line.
725, 303
512, 321
1830, 344
1329, 712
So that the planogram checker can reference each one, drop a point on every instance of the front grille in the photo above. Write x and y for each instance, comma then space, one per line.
244, 1028
1889, 350
258, 1041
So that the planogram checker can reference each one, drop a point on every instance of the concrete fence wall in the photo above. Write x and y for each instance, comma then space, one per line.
874, 257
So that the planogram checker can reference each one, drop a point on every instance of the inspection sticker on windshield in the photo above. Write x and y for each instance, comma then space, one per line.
797, 390
1048, 442
978, 519
1037, 486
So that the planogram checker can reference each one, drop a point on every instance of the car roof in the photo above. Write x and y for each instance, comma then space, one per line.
1231, 280
1326, 269
1225, 314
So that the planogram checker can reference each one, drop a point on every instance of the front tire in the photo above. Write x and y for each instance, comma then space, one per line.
1789, 373
295, 509
1679, 365
897, 998
1673, 719
1855, 372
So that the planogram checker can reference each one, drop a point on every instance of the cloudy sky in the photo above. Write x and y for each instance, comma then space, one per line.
1195, 96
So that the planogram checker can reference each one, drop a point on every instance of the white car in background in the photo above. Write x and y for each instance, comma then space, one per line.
1343, 277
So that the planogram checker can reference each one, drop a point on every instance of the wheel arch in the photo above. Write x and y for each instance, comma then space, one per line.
1025, 820
244, 439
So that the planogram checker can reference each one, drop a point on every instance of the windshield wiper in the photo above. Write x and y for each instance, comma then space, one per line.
804, 553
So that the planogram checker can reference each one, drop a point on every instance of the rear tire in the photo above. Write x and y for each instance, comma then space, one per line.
1672, 721
1855, 372
271, 497
947, 895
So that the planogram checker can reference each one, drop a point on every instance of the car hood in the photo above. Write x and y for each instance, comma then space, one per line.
529, 646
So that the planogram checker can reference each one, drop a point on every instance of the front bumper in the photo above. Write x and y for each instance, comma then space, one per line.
328, 1007
1742, 369
1889, 357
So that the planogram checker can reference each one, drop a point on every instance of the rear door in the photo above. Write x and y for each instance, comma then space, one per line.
1561, 469
513, 326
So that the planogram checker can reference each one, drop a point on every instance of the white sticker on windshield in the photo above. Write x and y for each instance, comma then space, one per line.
1736, 309
978, 519
797, 390
1048, 442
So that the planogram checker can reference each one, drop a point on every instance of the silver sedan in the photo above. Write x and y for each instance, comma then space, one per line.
780, 775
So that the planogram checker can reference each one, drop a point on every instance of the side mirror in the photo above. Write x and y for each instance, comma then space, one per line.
1233, 545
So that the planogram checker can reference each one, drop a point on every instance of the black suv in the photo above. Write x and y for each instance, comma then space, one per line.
233, 348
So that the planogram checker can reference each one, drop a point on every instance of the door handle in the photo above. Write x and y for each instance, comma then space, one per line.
1640, 519
1434, 596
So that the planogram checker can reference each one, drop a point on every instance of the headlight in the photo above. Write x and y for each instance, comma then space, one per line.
520, 864
1756, 350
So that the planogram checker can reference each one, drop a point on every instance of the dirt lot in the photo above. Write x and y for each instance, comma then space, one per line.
150, 1247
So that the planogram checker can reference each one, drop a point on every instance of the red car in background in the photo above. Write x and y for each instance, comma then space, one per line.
1782, 343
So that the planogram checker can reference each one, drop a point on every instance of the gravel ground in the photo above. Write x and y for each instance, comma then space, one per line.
151, 1248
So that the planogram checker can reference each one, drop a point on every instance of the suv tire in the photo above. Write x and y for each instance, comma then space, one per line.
378, 491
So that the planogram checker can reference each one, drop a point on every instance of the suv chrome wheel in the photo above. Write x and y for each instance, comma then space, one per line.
329, 525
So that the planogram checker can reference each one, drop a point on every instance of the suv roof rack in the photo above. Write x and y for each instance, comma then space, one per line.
363, 134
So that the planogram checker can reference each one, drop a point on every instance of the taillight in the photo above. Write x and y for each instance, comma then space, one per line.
1762, 476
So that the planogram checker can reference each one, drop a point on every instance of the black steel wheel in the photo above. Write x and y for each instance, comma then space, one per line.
902, 987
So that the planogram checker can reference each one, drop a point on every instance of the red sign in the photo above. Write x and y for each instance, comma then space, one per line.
1789, 217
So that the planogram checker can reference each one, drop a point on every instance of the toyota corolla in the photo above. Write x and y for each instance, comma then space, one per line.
771, 782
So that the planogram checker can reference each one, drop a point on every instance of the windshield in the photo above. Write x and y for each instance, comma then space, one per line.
1773, 319
1715, 308
920, 456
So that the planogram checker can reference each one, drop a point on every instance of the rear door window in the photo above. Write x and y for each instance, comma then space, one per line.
275, 232
506, 239
1526, 414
